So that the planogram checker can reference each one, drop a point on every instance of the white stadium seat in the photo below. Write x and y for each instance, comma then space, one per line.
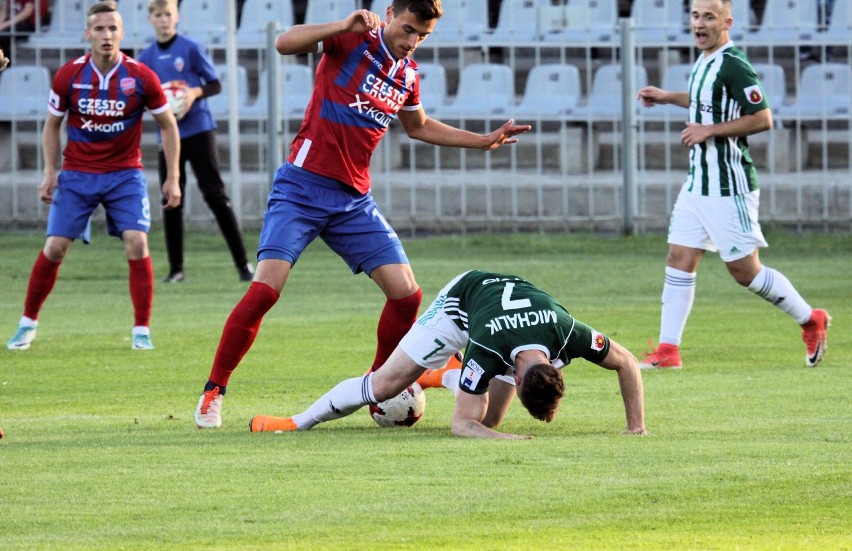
743, 22
67, 23
256, 15
323, 11
552, 91
24, 89
604, 100
204, 20
486, 90
774, 83
463, 21
433, 87
517, 22
218, 104
840, 29
138, 31
660, 22
786, 22
823, 93
295, 88
580, 22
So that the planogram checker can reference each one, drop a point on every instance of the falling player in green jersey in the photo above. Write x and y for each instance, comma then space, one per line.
717, 208
507, 327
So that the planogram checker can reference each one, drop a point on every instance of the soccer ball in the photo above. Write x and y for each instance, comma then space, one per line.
177, 99
400, 411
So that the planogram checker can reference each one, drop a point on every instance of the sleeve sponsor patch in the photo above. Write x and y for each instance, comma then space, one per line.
53, 100
753, 94
471, 375
598, 341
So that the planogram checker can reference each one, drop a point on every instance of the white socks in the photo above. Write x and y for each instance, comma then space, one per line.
344, 399
773, 286
27, 322
678, 297
450, 380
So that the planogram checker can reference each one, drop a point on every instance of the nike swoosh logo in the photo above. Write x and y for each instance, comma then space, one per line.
817, 353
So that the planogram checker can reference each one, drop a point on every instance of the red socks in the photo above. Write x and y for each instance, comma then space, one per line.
42, 280
397, 318
240, 330
141, 290
45, 271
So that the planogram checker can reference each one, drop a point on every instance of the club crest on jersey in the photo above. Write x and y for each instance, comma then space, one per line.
179, 64
471, 374
127, 85
409, 77
598, 341
753, 94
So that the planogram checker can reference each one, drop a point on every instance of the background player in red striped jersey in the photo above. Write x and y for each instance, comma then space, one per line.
105, 94
364, 81
717, 208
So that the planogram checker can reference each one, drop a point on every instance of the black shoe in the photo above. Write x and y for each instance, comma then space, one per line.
174, 277
246, 273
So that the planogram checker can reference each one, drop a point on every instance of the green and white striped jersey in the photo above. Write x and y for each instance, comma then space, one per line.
505, 314
722, 87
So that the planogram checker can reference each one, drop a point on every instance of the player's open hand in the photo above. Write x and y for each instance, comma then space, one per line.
361, 21
4, 61
506, 134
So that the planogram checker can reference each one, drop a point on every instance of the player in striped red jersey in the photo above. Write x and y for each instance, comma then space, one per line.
104, 94
365, 80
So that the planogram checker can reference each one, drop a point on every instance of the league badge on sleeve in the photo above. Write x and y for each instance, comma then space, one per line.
598, 341
753, 94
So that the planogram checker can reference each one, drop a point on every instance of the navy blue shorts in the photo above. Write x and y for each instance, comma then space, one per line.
303, 206
124, 195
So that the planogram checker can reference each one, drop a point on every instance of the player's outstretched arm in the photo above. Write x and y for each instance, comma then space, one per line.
420, 127
468, 415
630, 383
303, 39
651, 96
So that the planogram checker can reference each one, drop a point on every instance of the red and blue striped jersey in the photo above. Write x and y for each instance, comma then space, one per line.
358, 90
104, 112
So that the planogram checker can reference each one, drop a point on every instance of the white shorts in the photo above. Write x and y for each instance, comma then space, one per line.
725, 224
434, 337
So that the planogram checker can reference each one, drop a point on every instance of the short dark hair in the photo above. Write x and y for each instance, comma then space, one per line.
424, 10
105, 6
541, 390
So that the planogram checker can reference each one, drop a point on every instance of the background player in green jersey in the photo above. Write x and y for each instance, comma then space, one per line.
507, 327
717, 208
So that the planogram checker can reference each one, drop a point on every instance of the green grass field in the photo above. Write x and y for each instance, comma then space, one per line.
748, 448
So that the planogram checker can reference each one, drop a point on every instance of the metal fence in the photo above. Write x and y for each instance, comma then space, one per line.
569, 173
